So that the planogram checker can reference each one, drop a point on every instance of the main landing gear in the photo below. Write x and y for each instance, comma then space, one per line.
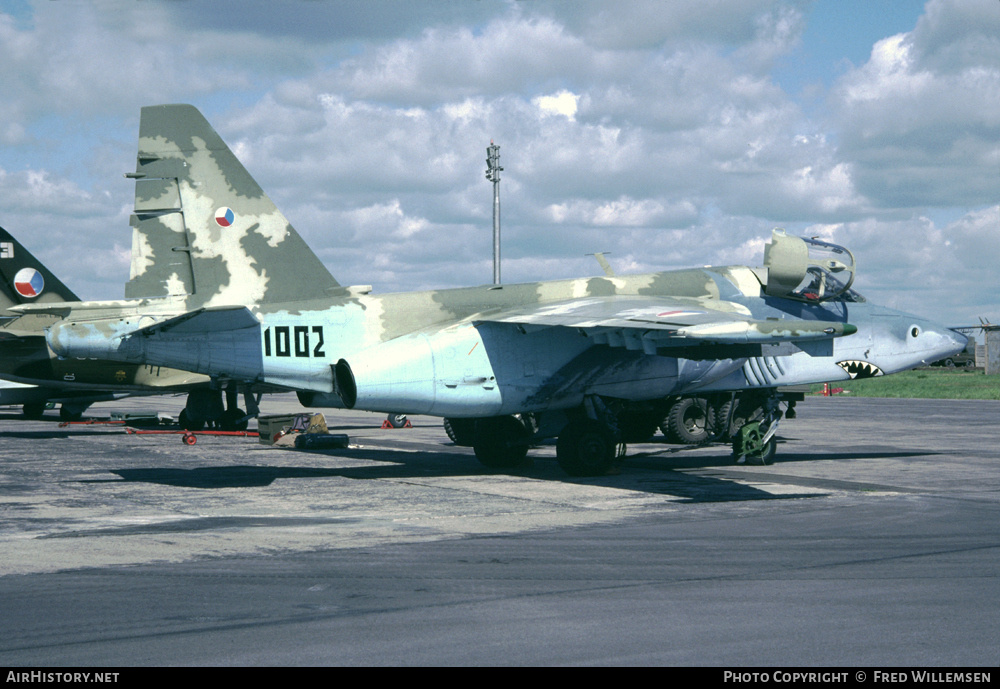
591, 438
205, 409
586, 447
501, 442
68, 411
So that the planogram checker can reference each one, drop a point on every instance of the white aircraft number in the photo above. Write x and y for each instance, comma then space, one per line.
297, 341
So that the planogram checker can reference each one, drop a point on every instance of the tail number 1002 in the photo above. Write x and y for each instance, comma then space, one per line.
298, 340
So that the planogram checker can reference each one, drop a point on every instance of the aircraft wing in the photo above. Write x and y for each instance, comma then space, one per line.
648, 323
206, 320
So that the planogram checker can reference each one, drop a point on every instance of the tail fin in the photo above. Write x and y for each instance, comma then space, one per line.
23, 278
203, 227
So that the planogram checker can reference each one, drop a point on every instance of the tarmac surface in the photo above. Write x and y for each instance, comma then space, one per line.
874, 540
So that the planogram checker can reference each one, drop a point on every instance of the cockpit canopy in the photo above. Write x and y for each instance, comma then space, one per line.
807, 269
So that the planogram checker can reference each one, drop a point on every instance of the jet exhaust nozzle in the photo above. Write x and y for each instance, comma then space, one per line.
344, 384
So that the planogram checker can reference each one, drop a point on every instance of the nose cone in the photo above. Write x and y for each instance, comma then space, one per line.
948, 343
902, 342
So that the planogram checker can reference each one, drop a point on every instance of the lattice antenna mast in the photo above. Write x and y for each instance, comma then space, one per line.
493, 174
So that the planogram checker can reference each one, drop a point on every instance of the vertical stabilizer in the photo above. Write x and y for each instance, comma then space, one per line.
203, 227
23, 278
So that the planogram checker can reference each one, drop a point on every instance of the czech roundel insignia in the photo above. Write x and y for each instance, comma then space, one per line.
29, 282
225, 216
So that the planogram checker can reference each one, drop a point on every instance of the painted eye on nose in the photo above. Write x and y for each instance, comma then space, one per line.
914, 331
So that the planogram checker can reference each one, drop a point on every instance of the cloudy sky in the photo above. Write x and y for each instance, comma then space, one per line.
668, 134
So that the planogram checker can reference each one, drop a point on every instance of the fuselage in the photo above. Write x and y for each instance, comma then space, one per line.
438, 352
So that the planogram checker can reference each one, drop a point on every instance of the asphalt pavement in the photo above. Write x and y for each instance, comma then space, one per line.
873, 540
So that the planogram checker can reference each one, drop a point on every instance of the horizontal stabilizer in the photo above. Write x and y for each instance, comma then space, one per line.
98, 309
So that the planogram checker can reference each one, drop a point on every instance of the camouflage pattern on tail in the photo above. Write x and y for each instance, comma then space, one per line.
203, 227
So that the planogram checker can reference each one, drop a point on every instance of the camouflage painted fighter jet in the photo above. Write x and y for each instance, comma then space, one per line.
572, 359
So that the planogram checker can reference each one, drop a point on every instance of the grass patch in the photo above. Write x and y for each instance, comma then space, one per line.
925, 383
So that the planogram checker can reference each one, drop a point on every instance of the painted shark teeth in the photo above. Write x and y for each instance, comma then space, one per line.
860, 369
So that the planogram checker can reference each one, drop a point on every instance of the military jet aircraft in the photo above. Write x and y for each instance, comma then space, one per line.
576, 357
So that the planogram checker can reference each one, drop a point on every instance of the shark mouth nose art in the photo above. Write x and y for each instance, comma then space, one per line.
858, 370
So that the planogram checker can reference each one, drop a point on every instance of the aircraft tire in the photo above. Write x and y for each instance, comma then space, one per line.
33, 410
501, 442
230, 420
450, 430
185, 421
688, 420
766, 458
720, 421
585, 448
461, 431
397, 420
770, 450
664, 427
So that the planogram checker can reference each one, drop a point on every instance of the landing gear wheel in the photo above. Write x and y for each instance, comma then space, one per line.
461, 431
71, 412
664, 426
765, 457
501, 442
770, 449
185, 421
586, 448
231, 420
749, 446
397, 420
688, 420
33, 410
720, 430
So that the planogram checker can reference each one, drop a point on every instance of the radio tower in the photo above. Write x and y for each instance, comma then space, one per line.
493, 174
